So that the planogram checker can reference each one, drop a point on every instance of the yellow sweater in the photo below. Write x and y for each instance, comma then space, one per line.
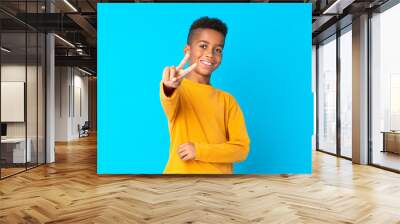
212, 120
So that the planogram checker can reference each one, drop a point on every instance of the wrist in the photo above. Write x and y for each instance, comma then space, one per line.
168, 91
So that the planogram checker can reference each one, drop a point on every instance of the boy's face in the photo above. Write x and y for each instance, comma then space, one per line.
205, 49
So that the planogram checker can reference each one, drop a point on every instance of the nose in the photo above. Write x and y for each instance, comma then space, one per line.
209, 53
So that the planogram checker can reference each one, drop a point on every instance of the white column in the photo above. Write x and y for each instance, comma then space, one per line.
50, 92
360, 90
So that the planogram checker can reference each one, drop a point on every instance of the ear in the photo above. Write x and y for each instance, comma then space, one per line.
186, 49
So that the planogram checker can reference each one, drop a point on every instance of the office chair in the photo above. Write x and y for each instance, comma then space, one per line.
84, 130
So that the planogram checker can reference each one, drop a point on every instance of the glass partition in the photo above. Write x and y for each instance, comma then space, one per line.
327, 95
22, 89
14, 153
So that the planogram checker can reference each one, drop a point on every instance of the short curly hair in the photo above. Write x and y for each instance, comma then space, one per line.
207, 23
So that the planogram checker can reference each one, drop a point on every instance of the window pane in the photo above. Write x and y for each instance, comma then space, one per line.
346, 94
327, 96
386, 89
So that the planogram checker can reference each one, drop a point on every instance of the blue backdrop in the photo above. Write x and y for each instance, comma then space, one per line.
266, 66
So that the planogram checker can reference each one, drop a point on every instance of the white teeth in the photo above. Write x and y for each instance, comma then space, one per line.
206, 62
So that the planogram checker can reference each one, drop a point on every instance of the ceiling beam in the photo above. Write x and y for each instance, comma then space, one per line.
86, 26
82, 61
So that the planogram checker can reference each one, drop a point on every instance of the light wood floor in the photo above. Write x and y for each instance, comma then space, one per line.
10, 171
5, 172
70, 191
387, 159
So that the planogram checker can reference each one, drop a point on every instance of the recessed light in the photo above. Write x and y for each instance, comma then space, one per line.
70, 5
64, 40
5, 50
84, 71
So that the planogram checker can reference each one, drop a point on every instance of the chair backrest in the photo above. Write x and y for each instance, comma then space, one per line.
86, 125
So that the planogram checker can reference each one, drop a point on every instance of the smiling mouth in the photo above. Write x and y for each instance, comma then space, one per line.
206, 63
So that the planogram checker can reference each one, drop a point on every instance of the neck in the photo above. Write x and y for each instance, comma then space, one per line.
198, 78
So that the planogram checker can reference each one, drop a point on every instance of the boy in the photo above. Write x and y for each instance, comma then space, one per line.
207, 128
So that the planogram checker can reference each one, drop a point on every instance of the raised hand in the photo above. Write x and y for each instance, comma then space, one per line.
172, 76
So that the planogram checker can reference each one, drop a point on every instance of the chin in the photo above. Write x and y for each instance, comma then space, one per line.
205, 72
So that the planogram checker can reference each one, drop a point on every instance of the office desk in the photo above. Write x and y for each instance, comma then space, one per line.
391, 141
13, 150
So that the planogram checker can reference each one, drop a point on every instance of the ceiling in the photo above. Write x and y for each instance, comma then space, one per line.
76, 22
332, 15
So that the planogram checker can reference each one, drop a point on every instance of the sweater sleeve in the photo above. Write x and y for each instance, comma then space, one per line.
170, 104
235, 149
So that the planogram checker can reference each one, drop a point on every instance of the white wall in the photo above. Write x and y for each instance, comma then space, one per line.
79, 117
15, 72
62, 81
71, 93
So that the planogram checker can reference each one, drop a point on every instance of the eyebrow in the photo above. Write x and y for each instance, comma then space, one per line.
220, 45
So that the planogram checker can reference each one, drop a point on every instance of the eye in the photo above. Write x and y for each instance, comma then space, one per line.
218, 50
204, 46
